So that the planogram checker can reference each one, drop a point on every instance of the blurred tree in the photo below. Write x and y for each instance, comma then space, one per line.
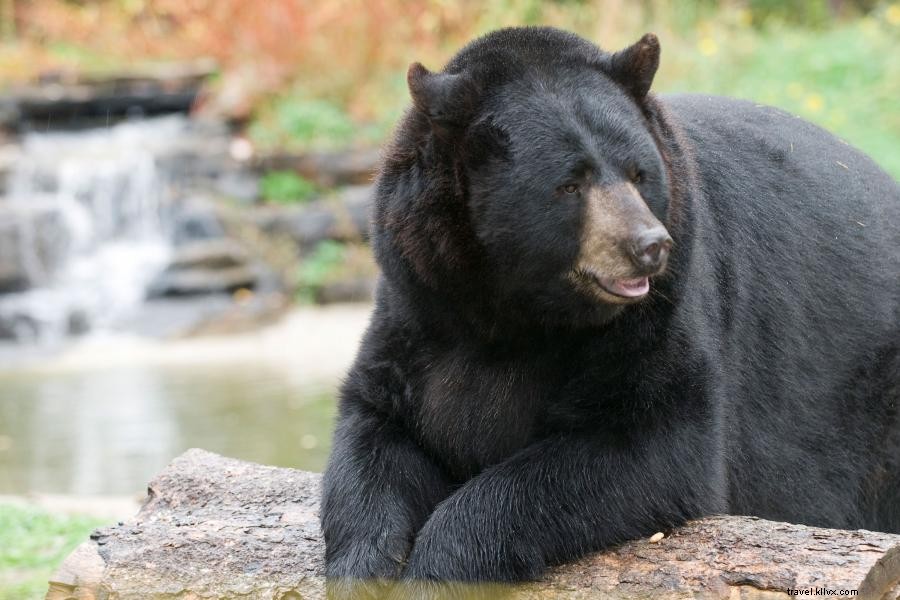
811, 13
8, 19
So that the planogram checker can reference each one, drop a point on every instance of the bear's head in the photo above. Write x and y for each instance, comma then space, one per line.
528, 179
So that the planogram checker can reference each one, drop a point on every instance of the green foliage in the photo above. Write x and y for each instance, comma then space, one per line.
32, 544
287, 187
292, 121
837, 72
87, 59
316, 269
830, 61
841, 78
810, 13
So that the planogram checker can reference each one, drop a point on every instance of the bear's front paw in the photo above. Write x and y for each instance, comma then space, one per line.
453, 558
364, 571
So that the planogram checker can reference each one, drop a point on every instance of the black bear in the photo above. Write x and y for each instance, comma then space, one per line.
602, 313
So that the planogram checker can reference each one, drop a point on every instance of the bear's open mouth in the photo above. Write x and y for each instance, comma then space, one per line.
629, 289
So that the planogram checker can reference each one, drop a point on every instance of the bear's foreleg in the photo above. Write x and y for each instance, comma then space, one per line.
560, 499
379, 489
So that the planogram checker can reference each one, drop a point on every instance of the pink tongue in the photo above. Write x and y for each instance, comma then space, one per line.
630, 288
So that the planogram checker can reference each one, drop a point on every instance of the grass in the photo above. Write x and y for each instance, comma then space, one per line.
287, 187
32, 545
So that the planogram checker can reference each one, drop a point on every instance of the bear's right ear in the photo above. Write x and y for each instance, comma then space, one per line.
635, 66
447, 99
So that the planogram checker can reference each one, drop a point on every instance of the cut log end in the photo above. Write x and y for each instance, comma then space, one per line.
214, 527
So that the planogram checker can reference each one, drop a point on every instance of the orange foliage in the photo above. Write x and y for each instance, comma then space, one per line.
335, 47
354, 52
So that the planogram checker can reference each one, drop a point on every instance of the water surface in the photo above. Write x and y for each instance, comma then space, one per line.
108, 431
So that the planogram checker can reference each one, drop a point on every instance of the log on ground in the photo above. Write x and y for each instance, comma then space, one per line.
214, 527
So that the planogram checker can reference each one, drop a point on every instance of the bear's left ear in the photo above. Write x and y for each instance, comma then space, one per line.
635, 66
447, 99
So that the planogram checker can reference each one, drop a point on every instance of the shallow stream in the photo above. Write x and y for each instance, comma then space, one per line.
109, 430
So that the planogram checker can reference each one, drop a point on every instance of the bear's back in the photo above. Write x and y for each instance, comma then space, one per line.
802, 232
798, 223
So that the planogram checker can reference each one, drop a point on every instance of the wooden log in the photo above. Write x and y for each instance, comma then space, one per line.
214, 527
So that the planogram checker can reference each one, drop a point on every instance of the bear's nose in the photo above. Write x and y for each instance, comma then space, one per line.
650, 248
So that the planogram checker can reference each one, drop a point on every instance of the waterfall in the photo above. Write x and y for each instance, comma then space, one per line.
86, 227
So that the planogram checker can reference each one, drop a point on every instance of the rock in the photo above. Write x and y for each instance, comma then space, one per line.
9, 114
328, 169
214, 527
209, 314
42, 314
247, 314
197, 221
194, 281
215, 265
18, 326
214, 253
10, 152
344, 217
71, 99
305, 226
206, 267
238, 184
201, 160
357, 201
356, 289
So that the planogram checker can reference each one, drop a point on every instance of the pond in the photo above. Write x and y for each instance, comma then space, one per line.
108, 431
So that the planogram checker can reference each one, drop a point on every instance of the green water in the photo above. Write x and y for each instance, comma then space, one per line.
109, 431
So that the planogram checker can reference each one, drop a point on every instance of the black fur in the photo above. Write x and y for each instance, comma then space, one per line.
497, 422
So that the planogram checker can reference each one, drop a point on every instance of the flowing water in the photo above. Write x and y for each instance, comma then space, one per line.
90, 212
85, 224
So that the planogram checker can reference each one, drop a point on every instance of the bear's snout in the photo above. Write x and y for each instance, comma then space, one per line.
649, 249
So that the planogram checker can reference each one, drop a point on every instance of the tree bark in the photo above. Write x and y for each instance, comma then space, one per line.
214, 527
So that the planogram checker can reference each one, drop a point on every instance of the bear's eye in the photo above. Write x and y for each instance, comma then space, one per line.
571, 188
636, 175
